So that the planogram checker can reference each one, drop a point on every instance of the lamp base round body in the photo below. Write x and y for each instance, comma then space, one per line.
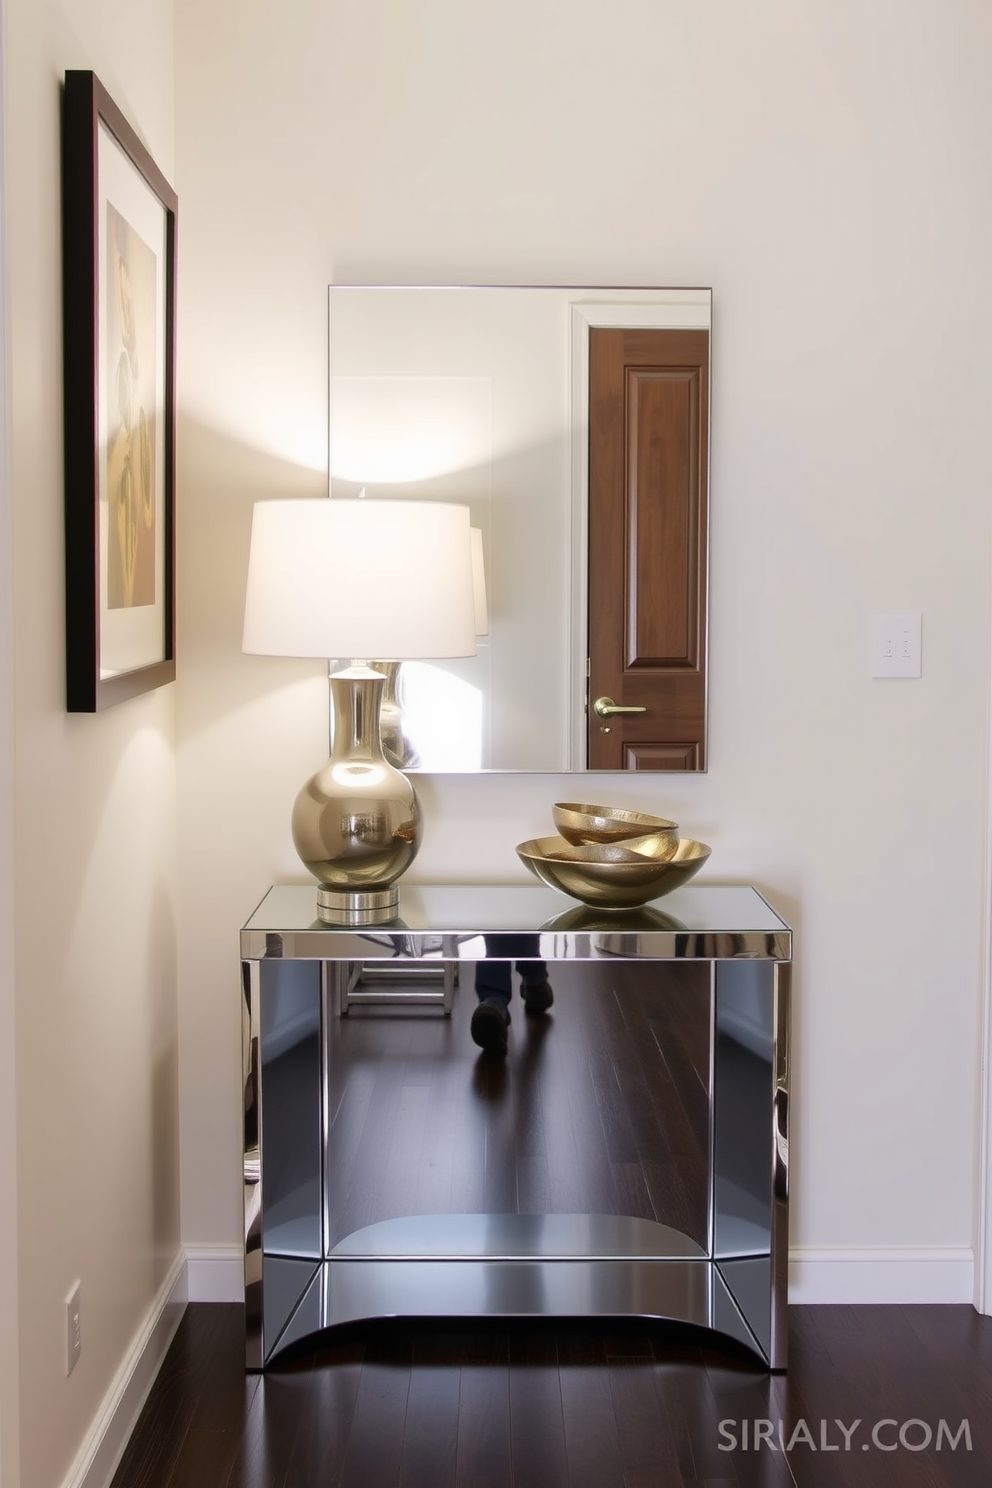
357, 823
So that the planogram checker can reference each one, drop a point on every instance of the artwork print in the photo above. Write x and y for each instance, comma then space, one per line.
132, 358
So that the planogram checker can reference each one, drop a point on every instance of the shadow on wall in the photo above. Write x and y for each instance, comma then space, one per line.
250, 729
219, 480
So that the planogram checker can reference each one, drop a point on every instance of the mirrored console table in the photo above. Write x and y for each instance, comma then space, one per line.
629, 1157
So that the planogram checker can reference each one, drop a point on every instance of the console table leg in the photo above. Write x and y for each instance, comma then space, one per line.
284, 1073
778, 1355
751, 1145
250, 1028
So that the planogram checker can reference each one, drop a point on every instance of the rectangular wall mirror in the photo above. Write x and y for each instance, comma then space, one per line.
574, 422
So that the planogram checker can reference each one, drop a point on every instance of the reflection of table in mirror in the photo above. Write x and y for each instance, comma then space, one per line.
628, 1158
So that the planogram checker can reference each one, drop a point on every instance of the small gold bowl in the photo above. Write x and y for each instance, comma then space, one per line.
588, 824
613, 875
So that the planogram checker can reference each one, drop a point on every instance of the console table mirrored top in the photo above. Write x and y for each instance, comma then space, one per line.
628, 1157
698, 921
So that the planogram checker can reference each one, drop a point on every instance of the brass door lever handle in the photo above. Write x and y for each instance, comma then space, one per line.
605, 707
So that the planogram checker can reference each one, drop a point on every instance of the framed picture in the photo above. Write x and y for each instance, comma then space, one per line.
119, 269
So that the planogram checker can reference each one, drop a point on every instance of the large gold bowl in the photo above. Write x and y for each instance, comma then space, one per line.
613, 876
588, 824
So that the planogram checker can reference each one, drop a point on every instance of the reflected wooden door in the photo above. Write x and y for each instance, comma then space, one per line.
648, 483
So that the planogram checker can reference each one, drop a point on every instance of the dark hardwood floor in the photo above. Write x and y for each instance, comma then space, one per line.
615, 1406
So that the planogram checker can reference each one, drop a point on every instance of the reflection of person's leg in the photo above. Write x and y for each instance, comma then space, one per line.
535, 989
492, 980
491, 1018
493, 983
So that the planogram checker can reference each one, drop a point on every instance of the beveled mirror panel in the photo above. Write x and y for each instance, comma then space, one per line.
520, 402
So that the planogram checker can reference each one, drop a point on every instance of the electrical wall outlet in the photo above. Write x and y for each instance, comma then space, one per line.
73, 1333
897, 645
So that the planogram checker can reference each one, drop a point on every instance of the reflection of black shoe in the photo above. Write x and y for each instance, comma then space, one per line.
489, 1024
537, 998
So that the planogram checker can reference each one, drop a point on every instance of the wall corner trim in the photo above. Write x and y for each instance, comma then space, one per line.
103, 1446
216, 1273
897, 1275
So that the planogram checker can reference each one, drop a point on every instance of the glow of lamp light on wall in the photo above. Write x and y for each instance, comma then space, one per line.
397, 430
443, 714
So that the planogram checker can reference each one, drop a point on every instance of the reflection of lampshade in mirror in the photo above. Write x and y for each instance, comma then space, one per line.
479, 584
383, 579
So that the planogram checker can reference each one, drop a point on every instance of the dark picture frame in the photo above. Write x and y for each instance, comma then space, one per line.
119, 311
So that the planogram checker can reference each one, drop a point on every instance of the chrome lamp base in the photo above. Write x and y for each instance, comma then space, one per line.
357, 823
358, 906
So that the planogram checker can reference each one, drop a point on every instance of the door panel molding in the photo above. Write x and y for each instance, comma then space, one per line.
667, 757
661, 515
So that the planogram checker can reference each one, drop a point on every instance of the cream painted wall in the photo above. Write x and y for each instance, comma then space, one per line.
824, 169
94, 821
9, 1414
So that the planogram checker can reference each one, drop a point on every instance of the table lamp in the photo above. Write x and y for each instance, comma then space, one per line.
383, 580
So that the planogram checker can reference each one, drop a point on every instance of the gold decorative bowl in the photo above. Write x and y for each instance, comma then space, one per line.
584, 825
613, 875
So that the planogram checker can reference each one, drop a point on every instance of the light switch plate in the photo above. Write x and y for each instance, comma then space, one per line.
897, 645
73, 1333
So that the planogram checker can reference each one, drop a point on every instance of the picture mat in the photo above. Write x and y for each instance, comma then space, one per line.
131, 636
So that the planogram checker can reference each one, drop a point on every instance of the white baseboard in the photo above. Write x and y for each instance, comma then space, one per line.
103, 1446
216, 1273
901, 1275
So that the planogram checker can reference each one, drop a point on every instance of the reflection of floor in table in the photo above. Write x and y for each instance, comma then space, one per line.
601, 1107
